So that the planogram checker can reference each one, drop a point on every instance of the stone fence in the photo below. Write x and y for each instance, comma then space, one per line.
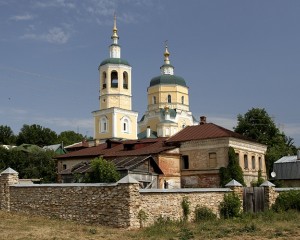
115, 205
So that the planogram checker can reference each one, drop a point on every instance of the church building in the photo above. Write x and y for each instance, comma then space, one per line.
115, 119
168, 108
168, 100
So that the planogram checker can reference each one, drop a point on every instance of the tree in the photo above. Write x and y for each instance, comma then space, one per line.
36, 134
103, 172
232, 171
258, 125
6, 135
69, 137
35, 164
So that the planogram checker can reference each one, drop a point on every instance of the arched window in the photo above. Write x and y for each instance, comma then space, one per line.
103, 125
154, 100
169, 98
182, 100
114, 79
125, 80
253, 162
103, 80
125, 125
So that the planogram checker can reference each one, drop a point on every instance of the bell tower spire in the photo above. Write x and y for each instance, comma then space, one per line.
114, 48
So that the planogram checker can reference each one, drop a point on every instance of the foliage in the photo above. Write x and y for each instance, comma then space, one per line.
231, 206
260, 180
142, 216
185, 204
204, 213
287, 200
36, 134
185, 234
69, 137
258, 125
103, 172
6, 135
36, 164
233, 170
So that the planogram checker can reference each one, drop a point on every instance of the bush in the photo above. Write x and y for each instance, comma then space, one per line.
203, 213
287, 200
231, 206
185, 204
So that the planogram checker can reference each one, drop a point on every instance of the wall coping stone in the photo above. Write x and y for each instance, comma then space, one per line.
9, 171
66, 185
286, 189
185, 190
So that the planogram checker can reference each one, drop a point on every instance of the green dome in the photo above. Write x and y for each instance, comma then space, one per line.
167, 79
114, 61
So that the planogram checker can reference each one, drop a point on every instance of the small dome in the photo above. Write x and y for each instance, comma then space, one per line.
167, 79
114, 61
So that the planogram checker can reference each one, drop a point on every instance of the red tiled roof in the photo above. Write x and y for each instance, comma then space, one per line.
204, 131
143, 147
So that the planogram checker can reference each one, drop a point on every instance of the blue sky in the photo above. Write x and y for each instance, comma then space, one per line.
234, 55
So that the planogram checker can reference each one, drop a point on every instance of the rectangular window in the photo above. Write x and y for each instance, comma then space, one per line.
245, 161
64, 166
260, 163
185, 162
212, 160
253, 162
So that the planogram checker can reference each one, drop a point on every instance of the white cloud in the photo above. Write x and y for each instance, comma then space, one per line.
24, 17
54, 35
55, 3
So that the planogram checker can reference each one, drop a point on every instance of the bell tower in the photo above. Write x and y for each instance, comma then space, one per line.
115, 118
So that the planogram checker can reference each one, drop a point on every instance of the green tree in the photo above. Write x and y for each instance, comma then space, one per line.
103, 172
36, 134
258, 125
36, 164
69, 137
232, 171
7, 135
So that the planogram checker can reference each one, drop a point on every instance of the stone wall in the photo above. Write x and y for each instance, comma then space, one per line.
167, 203
87, 203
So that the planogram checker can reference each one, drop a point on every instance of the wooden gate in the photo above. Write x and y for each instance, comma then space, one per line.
254, 199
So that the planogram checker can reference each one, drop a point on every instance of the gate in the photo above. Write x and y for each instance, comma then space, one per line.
253, 199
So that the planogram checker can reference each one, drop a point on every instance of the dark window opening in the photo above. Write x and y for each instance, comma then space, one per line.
104, 80
169, 99
245, 161
185, 162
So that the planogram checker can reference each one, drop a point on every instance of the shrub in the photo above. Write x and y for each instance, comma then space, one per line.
231, 206
203, 213
185, 204
142, 216
287, 200
232, 171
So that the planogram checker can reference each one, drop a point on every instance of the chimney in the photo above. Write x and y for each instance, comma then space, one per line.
148, 133
202, 120
298, 154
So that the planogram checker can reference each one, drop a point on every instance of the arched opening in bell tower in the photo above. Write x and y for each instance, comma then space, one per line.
125, 80
114, 79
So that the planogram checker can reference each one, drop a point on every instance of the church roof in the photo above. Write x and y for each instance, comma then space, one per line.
114, 61
167, 79
205, 131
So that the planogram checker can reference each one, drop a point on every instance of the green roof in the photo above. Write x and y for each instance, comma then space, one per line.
167, 79
114, 61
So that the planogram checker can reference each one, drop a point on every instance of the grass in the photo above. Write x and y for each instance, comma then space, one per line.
268, 225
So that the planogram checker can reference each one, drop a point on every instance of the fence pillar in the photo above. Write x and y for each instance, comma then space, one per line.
7, 178
237, 188
132, 201
270, 194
